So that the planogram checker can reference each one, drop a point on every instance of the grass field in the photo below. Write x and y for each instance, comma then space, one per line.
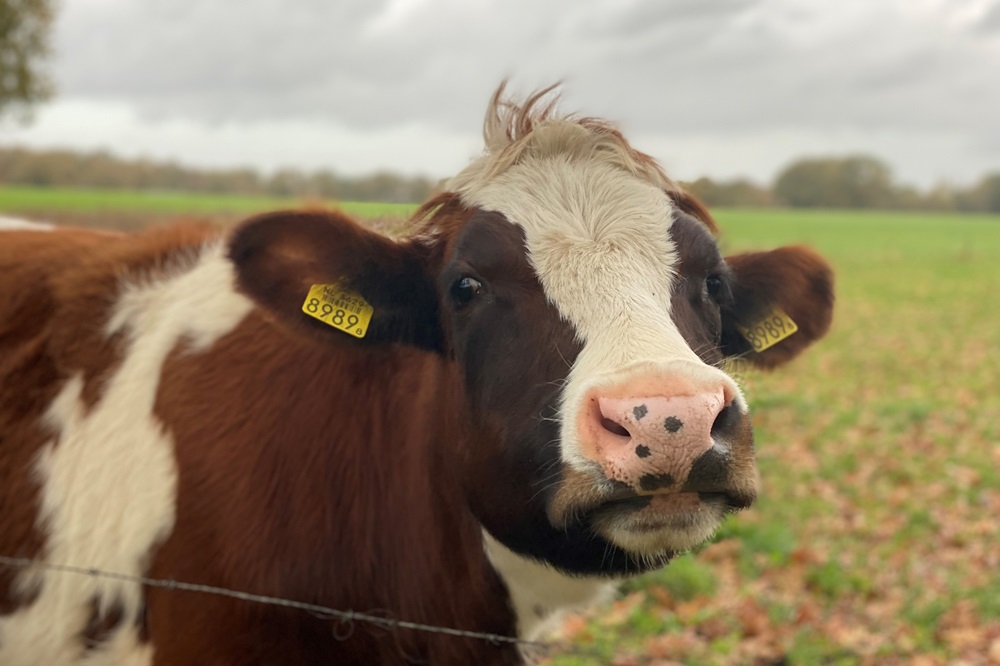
117, 204
876, 539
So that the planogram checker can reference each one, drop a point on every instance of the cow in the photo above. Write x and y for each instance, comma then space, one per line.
490, 418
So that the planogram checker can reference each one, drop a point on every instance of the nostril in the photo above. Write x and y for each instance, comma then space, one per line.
725, 421
614, 428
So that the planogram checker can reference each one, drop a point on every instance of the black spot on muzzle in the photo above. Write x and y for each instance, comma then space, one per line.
672, 424
651, 482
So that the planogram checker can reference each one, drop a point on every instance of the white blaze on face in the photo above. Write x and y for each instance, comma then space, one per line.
109, 476
599, 240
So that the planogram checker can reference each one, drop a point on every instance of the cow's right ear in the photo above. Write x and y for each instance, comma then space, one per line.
775, 293
281, 256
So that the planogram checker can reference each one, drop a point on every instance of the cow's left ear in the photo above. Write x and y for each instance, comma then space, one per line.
776, 292
281, 257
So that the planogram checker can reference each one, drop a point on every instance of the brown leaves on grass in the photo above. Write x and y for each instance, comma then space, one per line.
668, 646
963, 630
622, 609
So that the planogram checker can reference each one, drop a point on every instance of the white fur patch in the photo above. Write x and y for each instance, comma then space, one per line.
541, 595
109, 476
17, 224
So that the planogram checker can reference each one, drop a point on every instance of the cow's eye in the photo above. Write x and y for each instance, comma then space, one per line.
715, 287
464, 289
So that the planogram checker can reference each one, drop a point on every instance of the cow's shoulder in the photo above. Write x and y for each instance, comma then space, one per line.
79, 373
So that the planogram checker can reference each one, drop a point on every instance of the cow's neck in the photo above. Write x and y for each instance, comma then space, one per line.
338, 438
323, 443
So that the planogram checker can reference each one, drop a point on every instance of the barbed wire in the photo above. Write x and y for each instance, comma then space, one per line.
324, 612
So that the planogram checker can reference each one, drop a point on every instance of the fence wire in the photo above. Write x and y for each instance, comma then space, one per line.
346, 617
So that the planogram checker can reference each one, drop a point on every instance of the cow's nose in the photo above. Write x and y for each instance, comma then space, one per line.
651, 442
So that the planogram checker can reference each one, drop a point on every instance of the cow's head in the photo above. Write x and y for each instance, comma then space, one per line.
585, 303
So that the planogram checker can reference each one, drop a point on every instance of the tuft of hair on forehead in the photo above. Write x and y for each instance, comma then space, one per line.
534, 129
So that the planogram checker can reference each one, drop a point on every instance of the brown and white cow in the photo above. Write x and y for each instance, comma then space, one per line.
536, 408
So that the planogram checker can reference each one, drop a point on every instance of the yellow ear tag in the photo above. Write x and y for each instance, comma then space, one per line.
344, 310
773, 327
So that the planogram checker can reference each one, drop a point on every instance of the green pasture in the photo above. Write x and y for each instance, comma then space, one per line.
36, 200
876, 538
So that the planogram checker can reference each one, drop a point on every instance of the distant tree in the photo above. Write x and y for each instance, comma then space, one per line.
857, 181
288, 182
990, 189
942, 196
739, 192
984, 196
25, 26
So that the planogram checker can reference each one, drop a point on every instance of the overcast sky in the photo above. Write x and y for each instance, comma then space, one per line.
722, 88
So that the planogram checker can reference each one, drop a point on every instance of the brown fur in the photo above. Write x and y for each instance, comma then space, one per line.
288, 552
317, 515
795, 279
31, 374
52, 310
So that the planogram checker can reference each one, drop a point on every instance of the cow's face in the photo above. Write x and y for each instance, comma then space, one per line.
588, 313
591, 371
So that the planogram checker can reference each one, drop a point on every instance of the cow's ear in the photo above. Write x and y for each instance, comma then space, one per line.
323, 273
774, 293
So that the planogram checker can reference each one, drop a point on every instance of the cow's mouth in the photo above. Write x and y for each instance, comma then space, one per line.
624, 503
650, 510
647, 524
654, 524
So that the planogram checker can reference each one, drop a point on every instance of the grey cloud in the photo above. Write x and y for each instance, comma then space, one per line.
730, 66
637, 19
989, 23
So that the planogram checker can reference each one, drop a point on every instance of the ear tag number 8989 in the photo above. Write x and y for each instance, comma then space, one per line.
769, 330
344, 310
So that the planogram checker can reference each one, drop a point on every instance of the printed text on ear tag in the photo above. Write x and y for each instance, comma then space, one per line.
345, 310
773, 327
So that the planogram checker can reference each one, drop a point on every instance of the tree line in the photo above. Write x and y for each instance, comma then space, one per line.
64, 168
833, 182
857, 181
